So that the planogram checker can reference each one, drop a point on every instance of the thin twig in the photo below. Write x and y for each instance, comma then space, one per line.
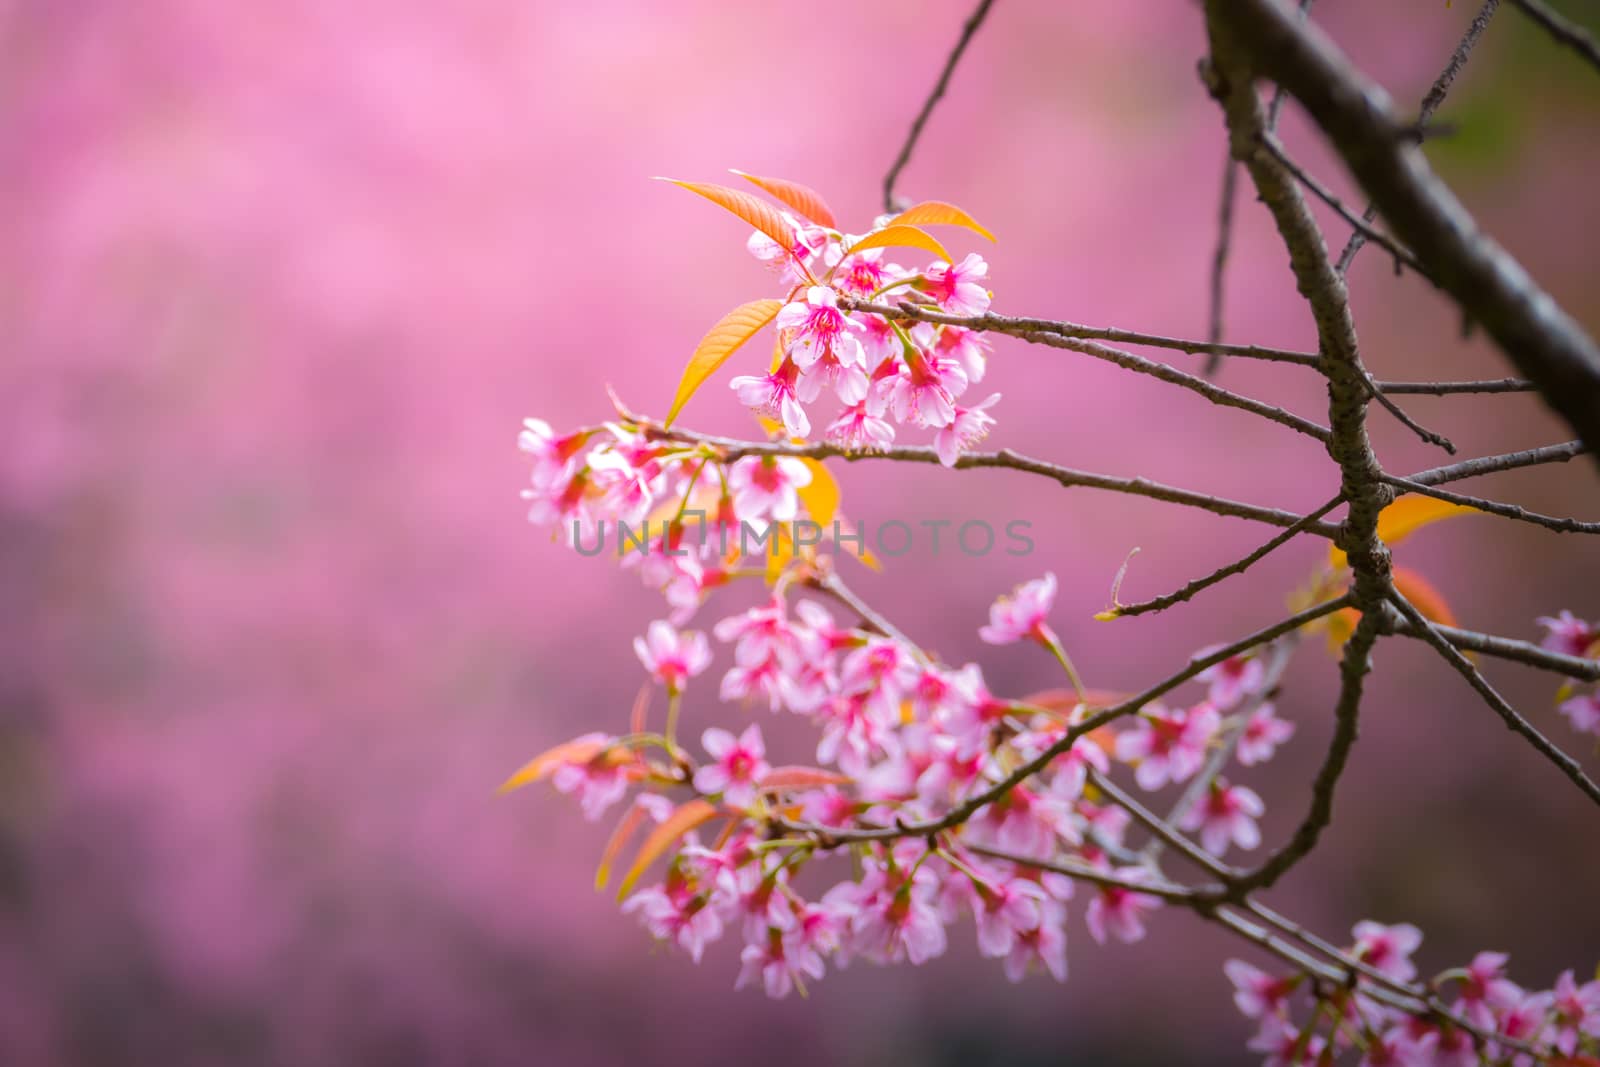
1279, 95
1568, 33
1496, 385
1514, 722
1558, 523
1219, 260
1168, 891
1161, 603
1508, 648
1430, 103
1163, 831
968, 29
1471, 468
1017, 326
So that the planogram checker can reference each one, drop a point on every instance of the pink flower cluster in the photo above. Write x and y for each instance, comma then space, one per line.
883, 373
1572, 636
1303, 1023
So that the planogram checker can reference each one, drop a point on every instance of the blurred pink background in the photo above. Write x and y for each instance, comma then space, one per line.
280, 282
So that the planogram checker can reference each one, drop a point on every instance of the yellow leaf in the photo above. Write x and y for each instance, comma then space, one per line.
550, 759
801, 778
934, 212
688, 815
1107, 615
1403, 518
781, 549
723, 339
752, 209
901, 237
821, 495
619, 837
804, 199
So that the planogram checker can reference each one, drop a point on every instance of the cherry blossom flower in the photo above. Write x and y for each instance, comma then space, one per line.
672, 657
1283, 1044
1118, 911
740, 765
1231, 680
1226, 815
781, 965
774, 396
958, 289
856, 429
1005, 910
1568, 634
765, 486
820, 329
678, 915
967, 427
1263, 733
923, 392
552, 456
755, 897
1388, 948
1044, 944
1022, 613
1168, 746
1485, 990
1583, 712
1255, 992
598, 781
1575, 1011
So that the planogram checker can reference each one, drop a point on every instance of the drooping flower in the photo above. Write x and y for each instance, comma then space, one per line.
966, 428
1583, 712
1255, 992
1231, 680
1226, 815
598, 780
1263, 733
1022, 613
1119, 911
958, 289
1568, 634
820, 329
1168, 746
672, 657
857, 430
739, 765
774, 395
1388, 948
765, 486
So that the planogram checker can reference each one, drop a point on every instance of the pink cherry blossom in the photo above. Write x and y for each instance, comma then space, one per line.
966, 428
1485, 990
1575, 1011
766, 486
959, 289
678, 915
1231, 680
1225, 815
820, 329
1044, 944
754, 898
896, 918
672, 657
1568, 634
856, 429
1005, 910
1119, 912
739, 765
597, 781
1263, 733
1256, 992
1282, 1043
1583, 712
552, 456
781, 965
1022, 613
774, 396
923, 393
1168, 746
1388, 948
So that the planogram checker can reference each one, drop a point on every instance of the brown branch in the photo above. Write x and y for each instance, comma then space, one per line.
1491, 464
1558, 523
1430, 103
1514, 722
1126, 360
1163, 831
1019, 327
1168, 891
1544, 342
1507, 648
1161, 603
1498, 385
968, 29
1568, 33
1219, 260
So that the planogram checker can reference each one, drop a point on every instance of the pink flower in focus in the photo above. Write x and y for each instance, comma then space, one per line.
1022, 613
858, 430
552, 455
1263, 733
1226, 814
1168, 746
958, 289
820, 329
1118, 911
1231, 680
672, 657
966, 428
923, 393
740, 765
765, 486
1388, 948
774, 396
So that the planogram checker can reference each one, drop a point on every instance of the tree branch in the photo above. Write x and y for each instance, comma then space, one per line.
1493, 507
1491, 464
1498, 385
1570, 34
1507, 648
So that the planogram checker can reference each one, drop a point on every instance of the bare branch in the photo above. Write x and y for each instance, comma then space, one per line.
1219, 260
1163, 831
1161, 603
1543, 341
1497, 385
1508, 648
1126, 360
1570, 34
1430, 103
968, 29
1514, 722
1557, 523
1016, 326
1491, 464
1082, 872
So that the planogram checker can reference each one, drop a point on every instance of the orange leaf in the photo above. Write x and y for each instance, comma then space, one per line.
804, 199
901, 237
1423, 596
1404, 517
619, 837
549, 760
821, 494
934, 212
801, 778
752, 209
1064, 700
688, 815
723, 339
